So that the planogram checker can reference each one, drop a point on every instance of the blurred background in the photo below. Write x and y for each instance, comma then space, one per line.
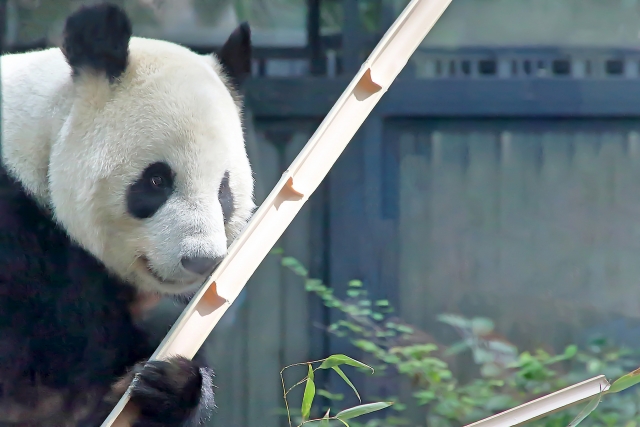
478, 242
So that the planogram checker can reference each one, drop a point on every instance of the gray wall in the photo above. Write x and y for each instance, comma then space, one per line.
535, 224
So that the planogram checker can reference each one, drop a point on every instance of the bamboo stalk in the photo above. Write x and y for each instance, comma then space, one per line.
295, 186
546, 405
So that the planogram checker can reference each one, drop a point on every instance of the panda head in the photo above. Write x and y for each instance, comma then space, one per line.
149, 172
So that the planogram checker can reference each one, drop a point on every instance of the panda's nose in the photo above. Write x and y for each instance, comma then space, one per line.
200, 265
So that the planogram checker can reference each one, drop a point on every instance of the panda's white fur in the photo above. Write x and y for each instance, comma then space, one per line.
77, 145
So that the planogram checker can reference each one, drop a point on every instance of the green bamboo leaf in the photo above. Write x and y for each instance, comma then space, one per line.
625, 381
591, 406
569, 352
325, 419
359, 410
329, 395
341, 359
309, 394
346, 380
294, 265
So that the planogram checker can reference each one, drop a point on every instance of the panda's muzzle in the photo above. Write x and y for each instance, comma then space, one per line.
196, 266
147, 265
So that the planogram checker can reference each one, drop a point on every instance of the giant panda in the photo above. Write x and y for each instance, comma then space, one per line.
124, 178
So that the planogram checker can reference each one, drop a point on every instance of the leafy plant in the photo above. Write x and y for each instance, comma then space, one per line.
506, 378
332, 362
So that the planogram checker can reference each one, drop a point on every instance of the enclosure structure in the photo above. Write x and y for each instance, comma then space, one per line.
488, 181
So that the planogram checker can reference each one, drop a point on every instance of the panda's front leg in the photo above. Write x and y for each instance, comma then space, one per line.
175, 392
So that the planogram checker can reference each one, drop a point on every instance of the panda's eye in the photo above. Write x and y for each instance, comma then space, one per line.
151, 190
157, 181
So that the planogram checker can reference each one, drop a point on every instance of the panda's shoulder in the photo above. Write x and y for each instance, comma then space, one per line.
26, 232
40, 263
55, 295
35, 250
21, 71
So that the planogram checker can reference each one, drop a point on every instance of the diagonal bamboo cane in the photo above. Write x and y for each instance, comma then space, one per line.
294, 188
546, 405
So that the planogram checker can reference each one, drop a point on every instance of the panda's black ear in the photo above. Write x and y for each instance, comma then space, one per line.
97, 37
235, 54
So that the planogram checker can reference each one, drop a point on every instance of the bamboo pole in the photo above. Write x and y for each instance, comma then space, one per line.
294, 188
546, 405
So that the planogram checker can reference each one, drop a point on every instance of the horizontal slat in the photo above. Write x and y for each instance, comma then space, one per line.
313, 97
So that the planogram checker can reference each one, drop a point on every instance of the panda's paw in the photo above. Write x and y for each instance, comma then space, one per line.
172, 392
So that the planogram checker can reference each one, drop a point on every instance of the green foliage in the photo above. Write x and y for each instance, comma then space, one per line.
309, 394
591, 406
359, 410
341, 359
506, 376
331, 362
332, 15
626, 381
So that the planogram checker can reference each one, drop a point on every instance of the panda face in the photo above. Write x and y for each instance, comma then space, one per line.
145, 199
149, 171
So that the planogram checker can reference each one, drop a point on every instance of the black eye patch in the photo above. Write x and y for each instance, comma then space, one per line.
150, 191
226, 197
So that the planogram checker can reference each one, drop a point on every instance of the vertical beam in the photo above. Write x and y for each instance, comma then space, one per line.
348, 235
351, 37
321, 344
316, 63
379, 253
265, 309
